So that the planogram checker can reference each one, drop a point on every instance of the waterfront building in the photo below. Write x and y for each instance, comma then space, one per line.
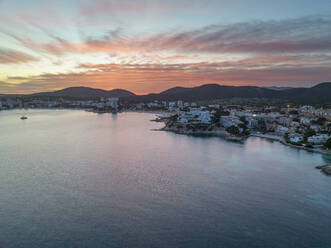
252, 122
113, 101
281, 130
228, 121
318, 139
195, 116
295, 137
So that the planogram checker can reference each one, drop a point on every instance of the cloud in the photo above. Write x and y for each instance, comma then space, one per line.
142, 78
309, 34
303, 35
9, 56
99, 8
292, 36
287, 52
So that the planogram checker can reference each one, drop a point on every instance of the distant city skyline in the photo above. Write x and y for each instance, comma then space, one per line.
148, 46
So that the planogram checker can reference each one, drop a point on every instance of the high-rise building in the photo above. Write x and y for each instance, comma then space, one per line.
113, 102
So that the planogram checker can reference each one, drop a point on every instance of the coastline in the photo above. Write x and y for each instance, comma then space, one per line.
282, 140
223, 134
214, 133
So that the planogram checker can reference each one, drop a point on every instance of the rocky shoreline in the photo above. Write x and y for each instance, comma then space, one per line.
222, 133
213, 133
326, 169
219, 132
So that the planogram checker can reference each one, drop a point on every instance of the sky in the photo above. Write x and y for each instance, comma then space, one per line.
147, 46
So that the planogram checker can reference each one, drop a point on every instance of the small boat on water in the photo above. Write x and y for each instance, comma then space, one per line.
24, 117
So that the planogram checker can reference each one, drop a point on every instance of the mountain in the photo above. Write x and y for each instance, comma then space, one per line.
85, 92
210, 92
320, 93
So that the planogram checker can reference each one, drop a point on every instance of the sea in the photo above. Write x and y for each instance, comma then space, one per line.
71, 178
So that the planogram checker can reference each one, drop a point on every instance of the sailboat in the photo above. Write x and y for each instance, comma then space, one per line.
23, 117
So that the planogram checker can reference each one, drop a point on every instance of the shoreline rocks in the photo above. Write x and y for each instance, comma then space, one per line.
214, 133
326, 169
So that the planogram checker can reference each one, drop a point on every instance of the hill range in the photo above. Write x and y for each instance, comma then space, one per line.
320, 93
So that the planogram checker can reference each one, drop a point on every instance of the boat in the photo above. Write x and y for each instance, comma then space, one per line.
24, 117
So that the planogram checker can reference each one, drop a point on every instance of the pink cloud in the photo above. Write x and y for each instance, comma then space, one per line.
9, 56
94, 9
159, 77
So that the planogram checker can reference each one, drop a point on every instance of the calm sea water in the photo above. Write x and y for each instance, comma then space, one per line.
78, 179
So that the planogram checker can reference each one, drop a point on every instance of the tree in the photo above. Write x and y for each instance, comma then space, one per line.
329, 128
243, 125
233, 130
309, 132
286, 137
173, 117
320, 121
243, 120
262, 126
216, 116
293, 112
327, 144
225, 113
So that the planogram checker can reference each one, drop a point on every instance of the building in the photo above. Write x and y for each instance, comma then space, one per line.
172, 105
318, 139
281, 131
205, 117
295, 137
284, 121
180, 104
305, 121
252, 122
228, 121
195, 116
113, 102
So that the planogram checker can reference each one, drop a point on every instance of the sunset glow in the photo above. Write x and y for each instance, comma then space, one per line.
148, 46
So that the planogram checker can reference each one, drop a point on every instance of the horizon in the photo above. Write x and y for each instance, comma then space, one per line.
178, 86
148, 46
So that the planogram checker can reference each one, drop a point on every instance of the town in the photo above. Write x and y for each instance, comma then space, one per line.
302, 126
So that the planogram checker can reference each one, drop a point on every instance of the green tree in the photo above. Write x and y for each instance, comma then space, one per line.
243, 120
173, 117
308, 133
293, 112
320, 121
233, 130
287, 139
262, 126
216, 116
327, 144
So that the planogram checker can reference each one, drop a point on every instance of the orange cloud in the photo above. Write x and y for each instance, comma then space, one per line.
9, 56
155, 78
